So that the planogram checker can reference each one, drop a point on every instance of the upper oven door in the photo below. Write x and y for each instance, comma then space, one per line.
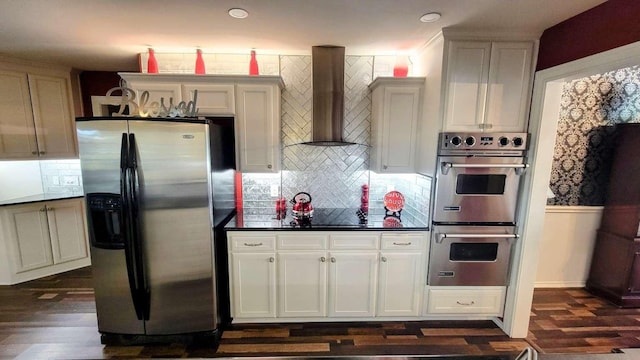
477, 189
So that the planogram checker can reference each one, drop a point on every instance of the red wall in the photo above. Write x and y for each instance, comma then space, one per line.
604, 27
96, 83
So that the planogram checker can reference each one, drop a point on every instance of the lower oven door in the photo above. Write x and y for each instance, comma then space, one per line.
470, 255
477, 189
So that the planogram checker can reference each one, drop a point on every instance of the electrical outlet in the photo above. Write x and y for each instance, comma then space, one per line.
275, 190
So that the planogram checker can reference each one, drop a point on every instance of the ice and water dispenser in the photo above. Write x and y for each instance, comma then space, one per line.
105, 220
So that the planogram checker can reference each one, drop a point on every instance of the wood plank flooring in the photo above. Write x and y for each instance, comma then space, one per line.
54, 318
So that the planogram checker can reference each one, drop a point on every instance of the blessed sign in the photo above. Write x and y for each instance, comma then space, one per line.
144, 108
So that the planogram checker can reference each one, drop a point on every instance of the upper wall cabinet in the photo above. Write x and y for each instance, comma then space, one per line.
475, 82
488, 85
396, 109
254, 101
36, 119
258, 127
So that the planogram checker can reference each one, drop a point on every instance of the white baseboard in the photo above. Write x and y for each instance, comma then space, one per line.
559, 284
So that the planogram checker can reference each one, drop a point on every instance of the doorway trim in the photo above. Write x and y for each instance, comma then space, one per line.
543, 123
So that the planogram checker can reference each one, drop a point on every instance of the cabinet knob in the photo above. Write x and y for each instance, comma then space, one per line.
34, 153
333, 259
384, 259
41, 152
384, 167
269, 166
323, 259
43, 209
272, 259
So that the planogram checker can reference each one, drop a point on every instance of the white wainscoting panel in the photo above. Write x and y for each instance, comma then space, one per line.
567, 245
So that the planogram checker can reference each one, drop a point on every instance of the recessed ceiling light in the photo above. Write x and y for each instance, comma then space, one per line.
430, 17
238, 13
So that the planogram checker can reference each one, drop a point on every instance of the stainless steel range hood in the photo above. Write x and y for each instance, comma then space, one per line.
328, 96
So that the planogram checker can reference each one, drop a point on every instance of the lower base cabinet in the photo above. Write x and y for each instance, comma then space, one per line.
352, 284
302, 279
460, 300
326, 275
399, 292
254, 279
42, 239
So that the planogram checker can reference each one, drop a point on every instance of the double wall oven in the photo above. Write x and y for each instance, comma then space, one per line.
474, 216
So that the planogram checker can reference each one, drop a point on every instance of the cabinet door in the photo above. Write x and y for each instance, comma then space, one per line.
253, 285
55, 130
18, 136
302, 284
509, 84
400, 122
467, 76
169, 92
212, 99
399, 285
258, 128
352, 284
67, 229
29, 236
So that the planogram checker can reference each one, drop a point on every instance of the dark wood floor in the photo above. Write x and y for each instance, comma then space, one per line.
54, 317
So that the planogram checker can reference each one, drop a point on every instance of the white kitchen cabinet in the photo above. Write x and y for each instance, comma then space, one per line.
213, 99
258, 127
488, 85
252, 274
396, 110
44, 238
327, 275
352, 284
302, 284
253, 100
466, 300
254, 285
36, 115
401, 274
475, 82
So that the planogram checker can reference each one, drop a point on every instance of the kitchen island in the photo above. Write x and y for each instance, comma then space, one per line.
339, 268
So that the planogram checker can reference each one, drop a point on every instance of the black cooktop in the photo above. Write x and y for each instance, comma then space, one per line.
330, 219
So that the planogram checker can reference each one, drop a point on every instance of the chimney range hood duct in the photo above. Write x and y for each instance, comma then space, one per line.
328, 96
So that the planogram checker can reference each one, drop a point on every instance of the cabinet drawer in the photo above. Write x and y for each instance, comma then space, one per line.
400, 241
476, 300
354, 241
302, 241
265, 242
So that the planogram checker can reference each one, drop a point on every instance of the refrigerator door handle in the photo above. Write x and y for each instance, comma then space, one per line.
129, 248
143, 293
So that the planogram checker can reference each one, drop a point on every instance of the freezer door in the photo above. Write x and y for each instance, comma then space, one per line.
175, 218
100, 144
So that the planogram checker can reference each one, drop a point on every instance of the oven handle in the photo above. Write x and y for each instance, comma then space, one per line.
445, 166
441, 236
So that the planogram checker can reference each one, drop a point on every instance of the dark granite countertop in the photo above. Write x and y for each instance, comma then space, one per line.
325, 219
40, 197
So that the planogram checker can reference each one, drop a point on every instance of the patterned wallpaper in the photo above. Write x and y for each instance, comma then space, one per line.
589, 109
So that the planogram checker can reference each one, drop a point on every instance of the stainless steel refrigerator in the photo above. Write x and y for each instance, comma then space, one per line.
155, 189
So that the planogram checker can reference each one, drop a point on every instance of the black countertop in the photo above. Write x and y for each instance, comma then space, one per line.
40, 197
325, 219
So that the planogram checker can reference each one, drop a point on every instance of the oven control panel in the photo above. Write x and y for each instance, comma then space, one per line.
483, 141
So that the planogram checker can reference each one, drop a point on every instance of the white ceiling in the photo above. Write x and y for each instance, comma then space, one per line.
108, 34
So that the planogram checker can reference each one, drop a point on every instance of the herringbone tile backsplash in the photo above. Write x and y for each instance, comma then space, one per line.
333, 175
